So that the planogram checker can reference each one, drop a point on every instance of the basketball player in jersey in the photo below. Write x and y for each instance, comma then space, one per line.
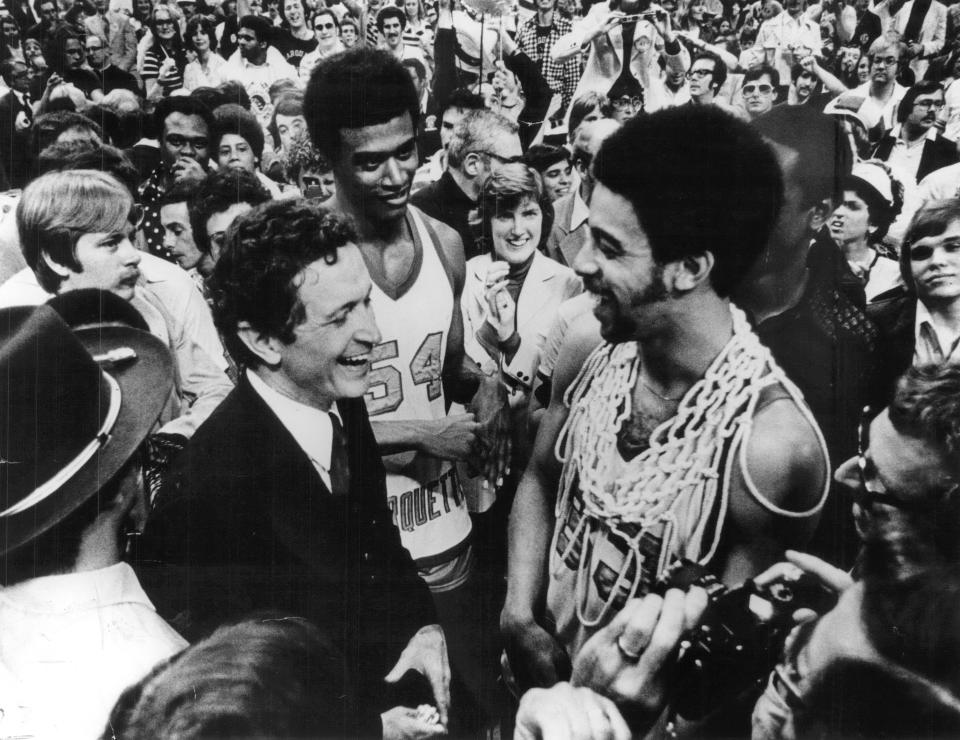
362, 112
679, 437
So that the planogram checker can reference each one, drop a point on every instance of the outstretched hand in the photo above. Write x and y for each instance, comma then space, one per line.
426, 653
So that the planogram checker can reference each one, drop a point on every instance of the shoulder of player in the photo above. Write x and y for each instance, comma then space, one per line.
581, 339
449, 242
785, 456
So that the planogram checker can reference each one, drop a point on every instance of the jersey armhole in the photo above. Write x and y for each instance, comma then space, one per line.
435, 239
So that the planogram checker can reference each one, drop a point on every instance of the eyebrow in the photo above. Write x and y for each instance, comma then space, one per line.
348, 306
375, 154
607, 237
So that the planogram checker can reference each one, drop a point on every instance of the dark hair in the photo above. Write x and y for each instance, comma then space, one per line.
185, 105
7, 65
927, 87
326, 11
216, 193
583, 105
289, 104
931, 219
388, 94
232, 119
256, 277
211, 97
824, 157
854, 698
275, 676
709, 184
87, 155
204, 24
303, 7
881, 213
765, 69
719, 76
462, 97
54, 51
417, 66
234, 92
626, 85
926, 406
504, 190
391, 11
259, 25
543, 156
182, 191
48, 126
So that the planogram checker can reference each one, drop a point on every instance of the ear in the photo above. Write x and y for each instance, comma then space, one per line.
692, 271
264, 346
61, 270
471, 164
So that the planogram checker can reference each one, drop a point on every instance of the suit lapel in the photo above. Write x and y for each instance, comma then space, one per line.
536, 291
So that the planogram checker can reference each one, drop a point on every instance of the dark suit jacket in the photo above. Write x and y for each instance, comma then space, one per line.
446, 202
937, 153
16, 151
244, 523
894, 313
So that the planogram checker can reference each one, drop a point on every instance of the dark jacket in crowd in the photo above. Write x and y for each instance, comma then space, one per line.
245, 523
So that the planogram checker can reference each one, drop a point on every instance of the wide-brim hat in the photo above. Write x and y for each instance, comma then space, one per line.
75, 407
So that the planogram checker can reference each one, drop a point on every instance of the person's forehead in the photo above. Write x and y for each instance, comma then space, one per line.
174, 213
903, 463
325, 288
951, 232
378, 138
557, 168
250, 31
924, 97
612, 214
184, 123
706, 64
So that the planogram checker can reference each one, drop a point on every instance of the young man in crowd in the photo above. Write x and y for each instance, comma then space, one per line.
414, 262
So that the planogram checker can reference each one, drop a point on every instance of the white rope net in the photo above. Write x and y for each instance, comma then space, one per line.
674, 485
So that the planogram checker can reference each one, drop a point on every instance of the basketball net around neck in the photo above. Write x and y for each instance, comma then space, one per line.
677, 480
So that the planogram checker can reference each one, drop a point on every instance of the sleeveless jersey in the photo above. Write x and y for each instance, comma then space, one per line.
423, 492
621, 523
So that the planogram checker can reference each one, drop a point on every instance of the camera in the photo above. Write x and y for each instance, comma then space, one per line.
740, 638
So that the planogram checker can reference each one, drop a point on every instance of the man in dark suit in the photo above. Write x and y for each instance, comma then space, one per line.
279, 501
99, 57
16, 118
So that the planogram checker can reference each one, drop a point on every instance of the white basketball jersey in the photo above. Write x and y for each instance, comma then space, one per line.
423, 492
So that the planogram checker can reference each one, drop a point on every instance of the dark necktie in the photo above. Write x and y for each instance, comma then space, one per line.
339, 461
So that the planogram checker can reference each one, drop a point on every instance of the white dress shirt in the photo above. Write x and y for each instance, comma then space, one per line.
71, 644
310, 427
934, 343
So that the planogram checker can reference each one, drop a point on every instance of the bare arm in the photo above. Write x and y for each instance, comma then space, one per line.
789, 471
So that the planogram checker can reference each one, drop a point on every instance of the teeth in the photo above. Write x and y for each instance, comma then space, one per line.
356, 359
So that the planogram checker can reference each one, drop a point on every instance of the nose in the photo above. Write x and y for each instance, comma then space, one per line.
393, 174
584, 264
368, 332
848, 474
130, 254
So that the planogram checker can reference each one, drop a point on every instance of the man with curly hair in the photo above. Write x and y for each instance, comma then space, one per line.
279, 504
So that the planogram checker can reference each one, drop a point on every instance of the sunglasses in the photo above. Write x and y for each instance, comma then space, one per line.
162, 24
698, 73
923, 252
871, 491
323, 26
884, 61
627, 102
757, 89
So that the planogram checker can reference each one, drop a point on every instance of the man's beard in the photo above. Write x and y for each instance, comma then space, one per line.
622, 327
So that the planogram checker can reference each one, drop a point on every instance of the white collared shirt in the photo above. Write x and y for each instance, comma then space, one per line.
933, 343
310, 427
904, 158
70, 644
580, 211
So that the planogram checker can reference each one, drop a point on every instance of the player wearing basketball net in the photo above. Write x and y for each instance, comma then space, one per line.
679, 436
417, 267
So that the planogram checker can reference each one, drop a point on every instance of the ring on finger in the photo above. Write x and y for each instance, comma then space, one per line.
629, 655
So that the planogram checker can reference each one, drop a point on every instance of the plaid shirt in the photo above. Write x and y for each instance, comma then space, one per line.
561, 76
